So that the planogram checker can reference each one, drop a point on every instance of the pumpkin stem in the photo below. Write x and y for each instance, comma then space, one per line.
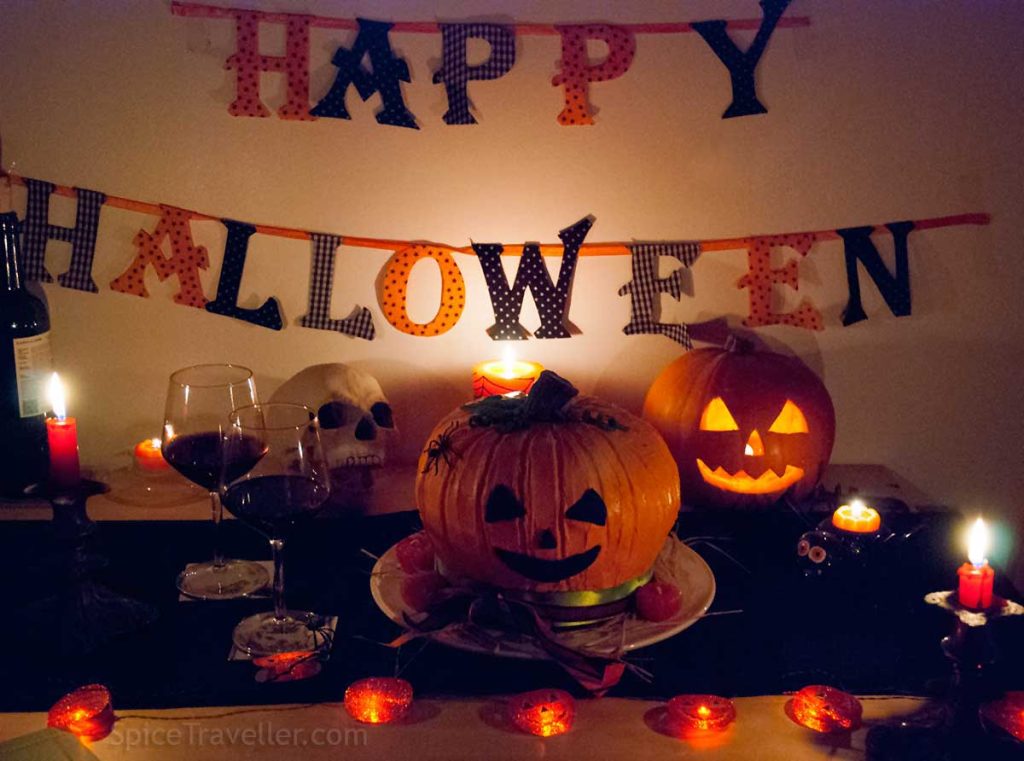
548, 396
737, 344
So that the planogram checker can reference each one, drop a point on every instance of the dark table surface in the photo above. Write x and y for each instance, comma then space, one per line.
867, 631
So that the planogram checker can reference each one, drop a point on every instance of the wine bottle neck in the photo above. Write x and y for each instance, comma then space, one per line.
10, 277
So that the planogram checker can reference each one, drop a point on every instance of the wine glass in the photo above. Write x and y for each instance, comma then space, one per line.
199, 404
287, 486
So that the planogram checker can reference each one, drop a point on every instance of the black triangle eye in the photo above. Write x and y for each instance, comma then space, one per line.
589, 508
502, 505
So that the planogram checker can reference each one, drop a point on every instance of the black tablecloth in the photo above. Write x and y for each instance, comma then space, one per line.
869, 633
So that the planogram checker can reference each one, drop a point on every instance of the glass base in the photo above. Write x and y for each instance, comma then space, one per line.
233, 579
262, 634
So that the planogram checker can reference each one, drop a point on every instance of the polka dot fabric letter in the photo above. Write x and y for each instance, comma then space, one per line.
248, 64
760, 277
577, 73
395, 285
185, 261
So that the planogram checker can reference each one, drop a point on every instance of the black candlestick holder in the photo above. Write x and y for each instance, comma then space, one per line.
83, 613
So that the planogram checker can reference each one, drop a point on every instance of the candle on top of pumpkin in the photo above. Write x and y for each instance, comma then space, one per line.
976, 576
504, 376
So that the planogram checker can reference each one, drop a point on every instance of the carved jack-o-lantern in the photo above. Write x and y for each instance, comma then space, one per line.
745, 427
526, 494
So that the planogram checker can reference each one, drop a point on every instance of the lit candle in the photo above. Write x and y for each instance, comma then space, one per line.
86, 713
504, 376
857, 518
149, 457
62, 437
378, 700
976, 577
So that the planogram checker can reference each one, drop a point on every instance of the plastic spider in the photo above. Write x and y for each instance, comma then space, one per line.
441, 449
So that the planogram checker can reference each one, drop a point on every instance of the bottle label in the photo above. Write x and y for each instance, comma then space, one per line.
33, 364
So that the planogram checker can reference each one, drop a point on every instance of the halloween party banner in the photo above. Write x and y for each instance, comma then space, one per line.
369, 62
165, 246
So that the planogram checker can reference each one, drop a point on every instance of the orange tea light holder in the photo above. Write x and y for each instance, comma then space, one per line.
690, 714
501, 377
857, 518
378, 700
86, 713
149, 458
825, 709
544, 713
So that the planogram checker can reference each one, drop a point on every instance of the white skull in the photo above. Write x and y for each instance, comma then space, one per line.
356, 424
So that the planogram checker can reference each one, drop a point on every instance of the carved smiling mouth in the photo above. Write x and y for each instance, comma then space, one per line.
768, 482
539, 569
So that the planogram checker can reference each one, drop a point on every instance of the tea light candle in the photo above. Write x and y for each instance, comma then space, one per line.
149, 457
544, 713
825, 709
86, 713
976, 576
701, 713
62, 437
378, 700
857, 518
504, 376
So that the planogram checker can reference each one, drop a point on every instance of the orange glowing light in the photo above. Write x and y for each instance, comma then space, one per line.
857, 518
504, 376
825, 709
544, 713
700, 713
149, 457
1007, 714
86, 713
378, 700
288, 667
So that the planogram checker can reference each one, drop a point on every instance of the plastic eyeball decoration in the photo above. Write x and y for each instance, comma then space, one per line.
818, 551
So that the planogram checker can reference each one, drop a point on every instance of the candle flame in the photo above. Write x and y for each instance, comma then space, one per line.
858, 508
507, 366
978, 543
748, 450
155, 443
55, 392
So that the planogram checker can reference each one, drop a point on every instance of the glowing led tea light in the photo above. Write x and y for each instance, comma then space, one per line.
149, 457
857, 518
825, 709
86, 713
378, 700
504, 376
976, 576
544, 713
700, 713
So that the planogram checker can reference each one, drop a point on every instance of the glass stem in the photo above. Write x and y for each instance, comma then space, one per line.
217, 510
277, 552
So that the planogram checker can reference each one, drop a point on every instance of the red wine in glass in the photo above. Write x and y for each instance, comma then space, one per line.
274, 505
200, 458
288, 485
197, 414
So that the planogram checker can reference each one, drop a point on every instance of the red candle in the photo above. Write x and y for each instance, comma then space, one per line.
976, 577
62, 437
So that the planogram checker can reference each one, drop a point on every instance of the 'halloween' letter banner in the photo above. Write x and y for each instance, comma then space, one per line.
165, 245
367, 61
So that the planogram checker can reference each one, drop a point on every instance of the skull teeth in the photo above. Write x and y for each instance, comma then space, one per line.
369, 459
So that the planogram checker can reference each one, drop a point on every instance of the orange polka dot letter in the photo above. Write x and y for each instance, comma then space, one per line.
185, 261
577, 72
760, 277
248, 64
395, 286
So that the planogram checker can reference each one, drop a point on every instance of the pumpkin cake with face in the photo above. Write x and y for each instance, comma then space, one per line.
551, 492
745, 427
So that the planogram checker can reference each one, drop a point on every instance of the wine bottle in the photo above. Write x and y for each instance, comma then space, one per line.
25, 365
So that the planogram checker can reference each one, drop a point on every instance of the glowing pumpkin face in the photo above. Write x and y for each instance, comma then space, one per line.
552, 506
745, 427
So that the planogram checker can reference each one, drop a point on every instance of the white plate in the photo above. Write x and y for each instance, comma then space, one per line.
676, 563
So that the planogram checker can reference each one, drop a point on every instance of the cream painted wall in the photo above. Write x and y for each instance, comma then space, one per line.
879, 111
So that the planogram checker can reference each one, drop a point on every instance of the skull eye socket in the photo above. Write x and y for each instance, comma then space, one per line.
332, 415
502, 505
382, 416
716, 417
817, 555
589, 508
790, 420
803, 547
